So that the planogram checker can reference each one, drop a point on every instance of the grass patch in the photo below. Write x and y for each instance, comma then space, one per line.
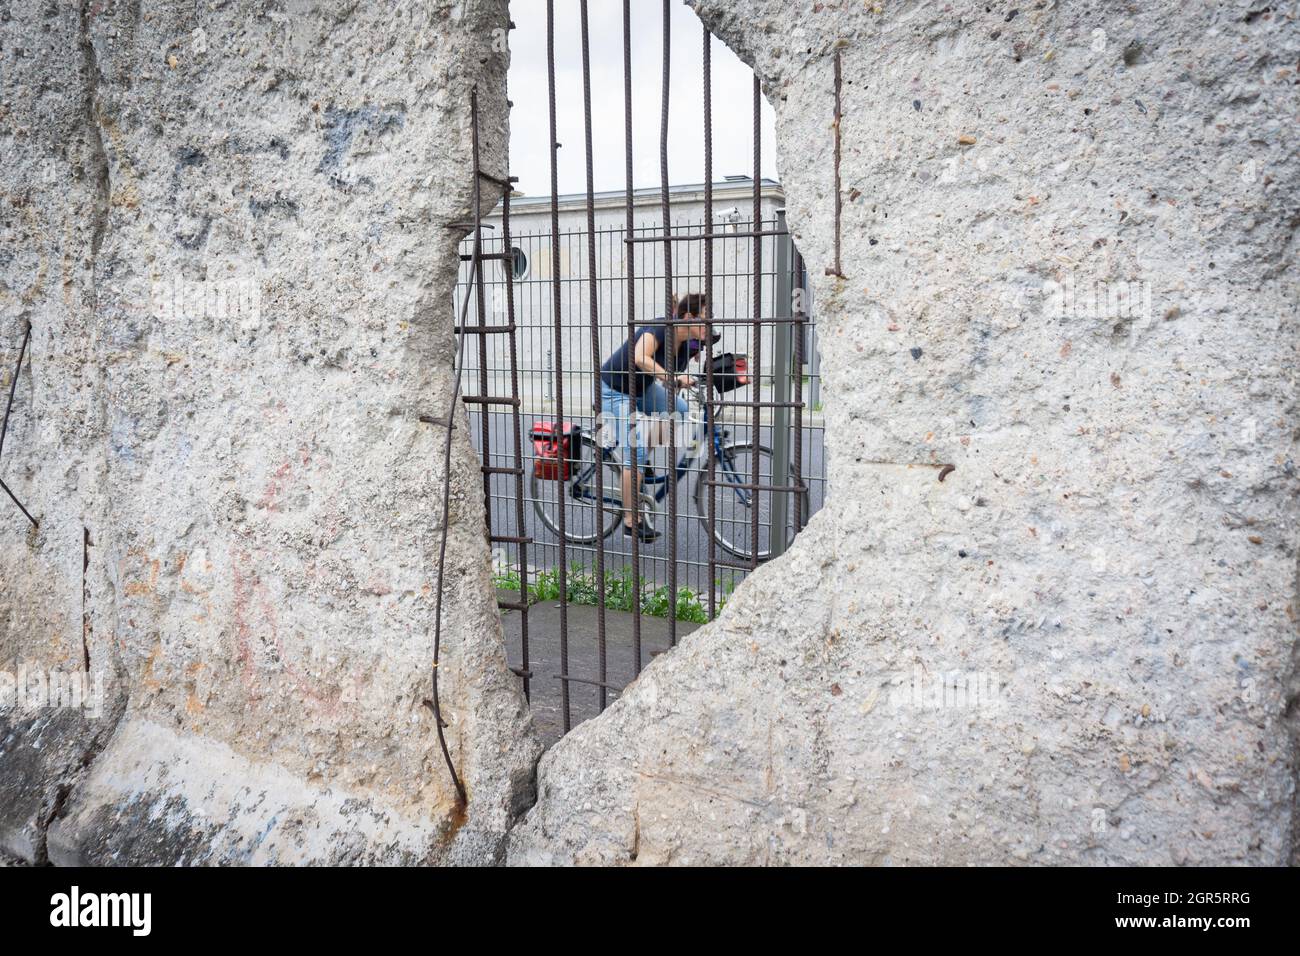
621, 592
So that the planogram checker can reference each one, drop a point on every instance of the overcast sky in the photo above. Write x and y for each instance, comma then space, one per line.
529, 119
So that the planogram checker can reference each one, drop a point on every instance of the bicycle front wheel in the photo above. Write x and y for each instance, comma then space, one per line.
737, 507
578, 497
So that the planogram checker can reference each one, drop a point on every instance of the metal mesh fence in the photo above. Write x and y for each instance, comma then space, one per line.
732, 311
736, 477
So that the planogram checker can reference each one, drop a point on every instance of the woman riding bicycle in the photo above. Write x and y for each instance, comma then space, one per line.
656, 366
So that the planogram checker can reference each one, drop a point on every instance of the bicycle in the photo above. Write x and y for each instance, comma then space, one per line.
733, 516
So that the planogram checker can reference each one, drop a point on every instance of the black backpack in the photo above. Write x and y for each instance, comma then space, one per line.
730, 371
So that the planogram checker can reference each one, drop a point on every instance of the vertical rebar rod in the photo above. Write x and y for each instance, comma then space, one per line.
707, 69
561, 485
800, 330
475, 266
629, 252
758, 328
782, 302
517, 422
485, 410
836, 269
593, 303
670, 330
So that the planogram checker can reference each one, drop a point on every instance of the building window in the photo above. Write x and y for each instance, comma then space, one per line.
518, 263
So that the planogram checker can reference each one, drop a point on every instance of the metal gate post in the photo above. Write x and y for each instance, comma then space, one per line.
783, 296
813, 355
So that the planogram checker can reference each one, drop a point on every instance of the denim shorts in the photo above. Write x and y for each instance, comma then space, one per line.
616, 418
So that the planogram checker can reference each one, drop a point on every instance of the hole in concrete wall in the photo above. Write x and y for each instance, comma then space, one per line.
746, 458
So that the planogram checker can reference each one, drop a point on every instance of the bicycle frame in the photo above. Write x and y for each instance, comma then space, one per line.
659, 484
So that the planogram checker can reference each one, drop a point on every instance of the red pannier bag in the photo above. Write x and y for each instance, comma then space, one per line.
555, 453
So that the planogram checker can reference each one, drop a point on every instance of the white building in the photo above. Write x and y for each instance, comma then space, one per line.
534, 253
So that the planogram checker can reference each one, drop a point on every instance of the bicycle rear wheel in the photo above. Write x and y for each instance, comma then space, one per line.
583, 520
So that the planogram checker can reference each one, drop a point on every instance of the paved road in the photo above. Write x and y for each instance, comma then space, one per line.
692, 537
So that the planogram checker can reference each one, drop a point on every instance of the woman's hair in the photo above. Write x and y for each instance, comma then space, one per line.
692, 304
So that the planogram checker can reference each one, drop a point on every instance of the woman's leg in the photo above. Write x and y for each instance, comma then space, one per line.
642, 438
615, 408
654, 403
654, 400
629, 494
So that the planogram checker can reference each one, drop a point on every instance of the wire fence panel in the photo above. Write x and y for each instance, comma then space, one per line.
733, 300
728, 485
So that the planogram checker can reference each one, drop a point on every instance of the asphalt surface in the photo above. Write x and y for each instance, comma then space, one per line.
692, 535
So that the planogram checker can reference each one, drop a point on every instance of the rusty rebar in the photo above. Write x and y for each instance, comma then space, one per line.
14, 499
706, 64
475, 266
758, 314
483, 329
710, 234
13, 385
518, 468
4, 427
800, 331
559, 361
670, 330
593, 302
635, 504
836, 269
485, 399
603, 685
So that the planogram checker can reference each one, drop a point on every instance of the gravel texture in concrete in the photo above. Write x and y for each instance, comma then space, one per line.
1067, 253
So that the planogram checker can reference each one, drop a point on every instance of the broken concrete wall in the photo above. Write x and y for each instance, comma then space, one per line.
232, 229
1076, 646
51, 210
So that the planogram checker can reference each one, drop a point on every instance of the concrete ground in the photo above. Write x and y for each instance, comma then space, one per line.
584, 657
